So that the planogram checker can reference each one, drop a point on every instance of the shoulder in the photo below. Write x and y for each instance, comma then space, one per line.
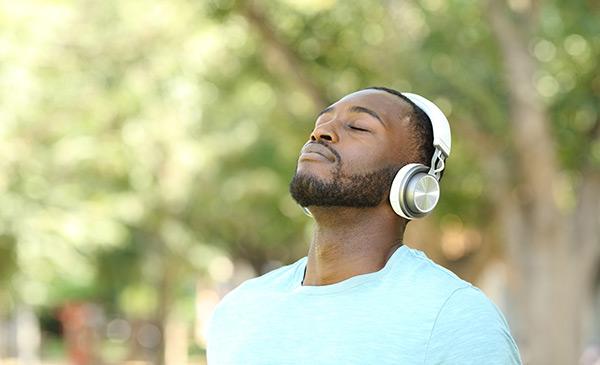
470, 329
429, 276
274, 280
250, 293
269, 283
466, 326
468, 305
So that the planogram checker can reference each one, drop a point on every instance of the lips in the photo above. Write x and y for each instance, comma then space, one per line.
319, 150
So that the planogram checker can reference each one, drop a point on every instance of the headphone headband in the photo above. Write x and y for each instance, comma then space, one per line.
439, 123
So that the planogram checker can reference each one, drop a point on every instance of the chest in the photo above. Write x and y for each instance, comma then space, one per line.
320, 331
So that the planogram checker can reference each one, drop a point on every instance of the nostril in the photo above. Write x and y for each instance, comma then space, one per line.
318, 135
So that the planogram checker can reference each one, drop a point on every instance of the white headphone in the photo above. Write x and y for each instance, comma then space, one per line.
415, 190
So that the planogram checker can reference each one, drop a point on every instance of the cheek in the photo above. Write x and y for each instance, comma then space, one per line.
364, 161
395, 156
401, 151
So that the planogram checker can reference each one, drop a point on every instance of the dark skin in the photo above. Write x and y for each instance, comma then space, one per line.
351, 241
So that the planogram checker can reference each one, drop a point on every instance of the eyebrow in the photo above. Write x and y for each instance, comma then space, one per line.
326, 110
356, 109
362, 109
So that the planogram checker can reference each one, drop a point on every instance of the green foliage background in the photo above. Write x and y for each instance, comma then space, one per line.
140, 140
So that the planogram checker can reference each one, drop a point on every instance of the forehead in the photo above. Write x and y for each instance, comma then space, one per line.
390, 107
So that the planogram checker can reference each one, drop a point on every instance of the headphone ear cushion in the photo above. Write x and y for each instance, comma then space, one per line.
414, 193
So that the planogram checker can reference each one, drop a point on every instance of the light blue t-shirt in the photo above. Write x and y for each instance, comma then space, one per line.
412, 311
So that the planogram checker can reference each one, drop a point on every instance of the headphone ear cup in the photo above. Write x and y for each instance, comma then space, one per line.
422, 194
414, 193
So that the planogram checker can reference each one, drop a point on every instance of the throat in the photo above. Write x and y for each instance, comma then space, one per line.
326, 270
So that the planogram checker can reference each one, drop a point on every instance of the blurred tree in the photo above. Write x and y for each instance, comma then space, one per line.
553, 245
143, 140
549, 216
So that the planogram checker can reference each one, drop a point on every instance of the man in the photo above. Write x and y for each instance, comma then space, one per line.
361, 296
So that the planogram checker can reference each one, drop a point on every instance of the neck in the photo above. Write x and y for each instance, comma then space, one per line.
351, 241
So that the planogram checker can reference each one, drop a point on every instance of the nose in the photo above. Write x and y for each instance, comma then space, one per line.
324, 132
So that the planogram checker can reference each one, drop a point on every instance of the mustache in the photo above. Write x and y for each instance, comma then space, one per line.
331, 149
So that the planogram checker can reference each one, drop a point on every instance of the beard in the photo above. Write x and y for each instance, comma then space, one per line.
357, 190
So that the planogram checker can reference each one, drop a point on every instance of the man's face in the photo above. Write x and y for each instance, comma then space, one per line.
357, 146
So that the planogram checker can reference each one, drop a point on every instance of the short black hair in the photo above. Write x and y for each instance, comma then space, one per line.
421, 126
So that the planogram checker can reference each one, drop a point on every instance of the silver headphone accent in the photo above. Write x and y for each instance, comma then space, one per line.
415, 190
306, 211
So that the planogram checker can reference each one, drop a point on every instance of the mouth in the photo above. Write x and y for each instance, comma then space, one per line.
313, 156
316, 152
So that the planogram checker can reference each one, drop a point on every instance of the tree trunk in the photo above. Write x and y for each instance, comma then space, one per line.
165, 301
28, 336
551, 259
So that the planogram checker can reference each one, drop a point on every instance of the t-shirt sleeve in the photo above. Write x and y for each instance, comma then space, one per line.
469, 329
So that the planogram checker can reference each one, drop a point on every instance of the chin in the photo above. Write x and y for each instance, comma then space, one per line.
320, 172
306, 176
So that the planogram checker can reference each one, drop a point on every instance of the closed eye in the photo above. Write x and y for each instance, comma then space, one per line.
359, 129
